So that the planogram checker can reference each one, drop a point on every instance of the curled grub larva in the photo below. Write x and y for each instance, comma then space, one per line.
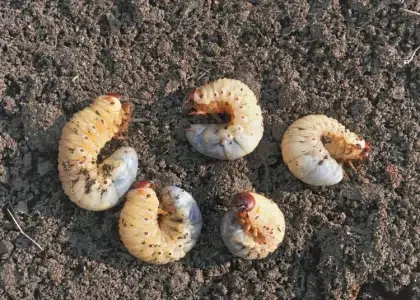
90, 185
315, 147
244, 131
256, 227
160, 229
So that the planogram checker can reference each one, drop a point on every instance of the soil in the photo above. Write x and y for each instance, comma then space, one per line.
342, 58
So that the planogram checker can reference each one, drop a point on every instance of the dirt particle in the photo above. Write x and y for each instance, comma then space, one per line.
179, 282
8, 275
4, 174
398, 92
6, 249
393, 175
360, 108
44, 167
291, 94
9, 105
55, 270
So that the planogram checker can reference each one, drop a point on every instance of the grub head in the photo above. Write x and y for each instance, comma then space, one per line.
114, 95
244, 201
142, 184
366, 151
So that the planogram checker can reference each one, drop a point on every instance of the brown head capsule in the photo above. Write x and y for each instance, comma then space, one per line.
115, 95
142, 184
244, 202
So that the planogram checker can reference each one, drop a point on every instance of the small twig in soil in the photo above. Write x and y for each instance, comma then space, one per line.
201, 76
169, 148
139, 120
410, 12
22, 232
411, 56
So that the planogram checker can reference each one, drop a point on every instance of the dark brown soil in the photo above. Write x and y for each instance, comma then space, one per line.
343, 58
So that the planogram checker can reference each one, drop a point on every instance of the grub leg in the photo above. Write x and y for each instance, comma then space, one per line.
359, 173
197, 113
162, 212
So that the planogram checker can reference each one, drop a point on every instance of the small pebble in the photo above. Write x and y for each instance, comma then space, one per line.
6, 249
4, 174
44, 167
27, 160
179, 282
21, 207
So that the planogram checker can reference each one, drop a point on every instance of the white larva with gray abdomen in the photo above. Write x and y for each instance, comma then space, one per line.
315, 147
255, 229
159, 229
90, 185
244, 131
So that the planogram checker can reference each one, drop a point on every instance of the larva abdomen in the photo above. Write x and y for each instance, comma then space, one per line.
89, 185
244, 131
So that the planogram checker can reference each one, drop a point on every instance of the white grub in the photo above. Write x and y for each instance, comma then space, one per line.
255, 228
159, 229
90, 185
244, 131
315, 147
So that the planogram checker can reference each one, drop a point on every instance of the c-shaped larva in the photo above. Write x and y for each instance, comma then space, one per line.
315, 147
256, 227
159, 230
90, 185
244, 131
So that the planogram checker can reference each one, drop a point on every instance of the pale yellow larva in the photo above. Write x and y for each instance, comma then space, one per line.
315, 147
90, 185
255, 229
244, 131
159, 230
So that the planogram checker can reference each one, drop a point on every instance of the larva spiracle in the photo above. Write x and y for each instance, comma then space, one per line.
162, 229
255, 229
90, 185
315, 147
244, 131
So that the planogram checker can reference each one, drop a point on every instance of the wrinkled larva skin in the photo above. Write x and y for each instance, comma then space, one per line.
154, 237
90, 185
256, 231
315, 147
245, 129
